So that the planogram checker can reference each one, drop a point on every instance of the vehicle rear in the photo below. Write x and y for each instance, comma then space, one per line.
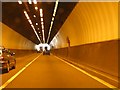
7, 61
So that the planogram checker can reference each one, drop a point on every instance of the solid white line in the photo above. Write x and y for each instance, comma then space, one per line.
94, 77
18, 73
94, 71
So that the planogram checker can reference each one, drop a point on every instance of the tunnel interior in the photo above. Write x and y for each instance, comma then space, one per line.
82, 33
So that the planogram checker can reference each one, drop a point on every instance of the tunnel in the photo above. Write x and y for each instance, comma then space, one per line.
81, 40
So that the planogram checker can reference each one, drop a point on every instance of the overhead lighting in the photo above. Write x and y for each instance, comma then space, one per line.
40, 10
30, 21
32, 25
41, 19
52, 18
30, 2
36, 23
26, 15
39, 32
41, 22
19, 1
36, 8
43, 36
38, 28
35, 1
51, 23
41, 13
42, 26
55, 9
34, 16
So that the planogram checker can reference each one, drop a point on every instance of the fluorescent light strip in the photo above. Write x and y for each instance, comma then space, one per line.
30, 2
26, 15
54, 13
31, 25
41, 15
41, 19
52, 18
42, 26
40, 10
43, 36
36, 33
30, 21
19, 1
35, 1
42, 23
55, 9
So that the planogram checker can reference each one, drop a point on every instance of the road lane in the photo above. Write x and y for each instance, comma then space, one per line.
20, 63
50, 72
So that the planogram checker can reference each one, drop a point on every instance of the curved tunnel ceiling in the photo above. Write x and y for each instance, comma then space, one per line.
13, 16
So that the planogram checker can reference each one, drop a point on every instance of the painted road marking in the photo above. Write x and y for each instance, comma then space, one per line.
18, 73
94, 77
94, 71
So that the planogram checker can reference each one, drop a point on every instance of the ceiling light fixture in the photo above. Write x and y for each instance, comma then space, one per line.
34, 16
43, 36
35, 1
36, 23
54, 13
52, 18
41, 22
19, 1
30, 21
41, 19
36, 8
30, 2
31, 25
26, 15
41, 13
42, 26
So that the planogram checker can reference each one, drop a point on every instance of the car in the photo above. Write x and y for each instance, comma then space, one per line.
46, 52
7, 59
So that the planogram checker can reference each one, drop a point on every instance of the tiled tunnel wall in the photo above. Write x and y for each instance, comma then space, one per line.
15, 42
89, 36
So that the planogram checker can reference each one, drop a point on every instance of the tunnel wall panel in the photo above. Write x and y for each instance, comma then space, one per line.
89, 36
21, 53
89, 22
102, 56
13, 40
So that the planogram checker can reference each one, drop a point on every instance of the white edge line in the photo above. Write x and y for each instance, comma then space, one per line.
18, 73
94, 77
94, 71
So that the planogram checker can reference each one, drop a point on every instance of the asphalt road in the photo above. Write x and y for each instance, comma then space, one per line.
47, 72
